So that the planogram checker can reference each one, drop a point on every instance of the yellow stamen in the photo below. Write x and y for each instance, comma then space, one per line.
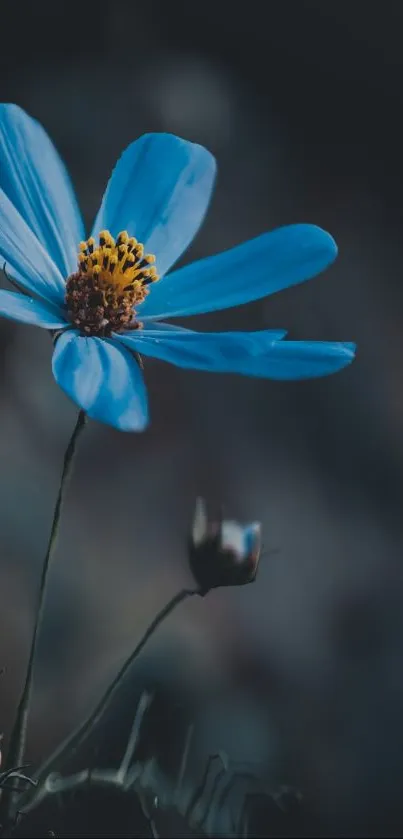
117, 264
123, 238
139, 250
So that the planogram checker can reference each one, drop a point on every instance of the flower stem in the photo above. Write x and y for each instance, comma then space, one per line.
70, 745
16, 748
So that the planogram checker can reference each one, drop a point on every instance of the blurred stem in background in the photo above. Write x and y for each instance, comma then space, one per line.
16, 749
70, 745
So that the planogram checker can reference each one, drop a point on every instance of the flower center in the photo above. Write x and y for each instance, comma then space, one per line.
112, 278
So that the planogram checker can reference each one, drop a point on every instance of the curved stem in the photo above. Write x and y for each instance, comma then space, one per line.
73, 741
16, 748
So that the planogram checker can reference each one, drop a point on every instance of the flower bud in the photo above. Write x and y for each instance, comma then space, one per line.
222, 553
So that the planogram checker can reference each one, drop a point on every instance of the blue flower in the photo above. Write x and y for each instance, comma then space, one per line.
101, 297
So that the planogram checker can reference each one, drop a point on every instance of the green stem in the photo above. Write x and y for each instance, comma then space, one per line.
15, 755
73, 741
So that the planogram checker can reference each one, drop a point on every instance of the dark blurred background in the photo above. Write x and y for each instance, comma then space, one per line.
300, 674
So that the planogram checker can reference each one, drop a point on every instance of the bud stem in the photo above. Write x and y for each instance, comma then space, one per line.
70, 745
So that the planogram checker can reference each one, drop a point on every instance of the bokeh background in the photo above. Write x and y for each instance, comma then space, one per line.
300, 674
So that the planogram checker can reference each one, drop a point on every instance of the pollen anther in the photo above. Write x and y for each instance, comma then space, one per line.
113, 277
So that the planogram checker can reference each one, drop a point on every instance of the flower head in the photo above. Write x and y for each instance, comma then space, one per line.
100, 296
222, 553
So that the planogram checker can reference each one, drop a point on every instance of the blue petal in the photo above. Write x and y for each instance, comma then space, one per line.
262, 266
260, 353
159, 326
159, 192
37, 183
103, 379
26, 310
26, 260
220, 352
252, 533
292, 360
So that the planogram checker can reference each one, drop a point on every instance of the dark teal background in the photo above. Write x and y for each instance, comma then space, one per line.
302, 673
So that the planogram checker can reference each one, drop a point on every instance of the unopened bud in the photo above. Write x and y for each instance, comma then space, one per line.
222, 553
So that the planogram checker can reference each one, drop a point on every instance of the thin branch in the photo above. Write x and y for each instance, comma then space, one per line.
211, 798
184, 761
199, 791
16, 773
144, 704
147, 815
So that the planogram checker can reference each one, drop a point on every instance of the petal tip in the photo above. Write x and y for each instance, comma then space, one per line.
320, 237
103, 379
16, 112
350, 349
130, 427
172, 139
10, 106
